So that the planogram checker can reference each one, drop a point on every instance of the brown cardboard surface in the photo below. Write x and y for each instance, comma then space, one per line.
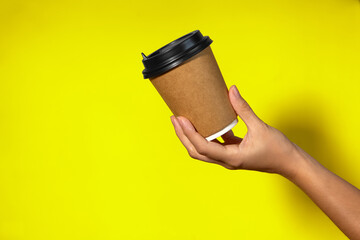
196, 90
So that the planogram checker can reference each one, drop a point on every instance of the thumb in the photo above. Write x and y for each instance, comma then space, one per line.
242, 108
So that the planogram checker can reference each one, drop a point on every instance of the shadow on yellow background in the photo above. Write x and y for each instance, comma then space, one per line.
305, 121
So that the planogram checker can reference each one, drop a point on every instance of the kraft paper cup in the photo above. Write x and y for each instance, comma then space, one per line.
186, 75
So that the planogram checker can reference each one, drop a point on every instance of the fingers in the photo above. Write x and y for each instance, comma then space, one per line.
210, 149
183, 139
242, 108
190, 147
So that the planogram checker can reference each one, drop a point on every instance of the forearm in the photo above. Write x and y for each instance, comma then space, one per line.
338, 199
266, 149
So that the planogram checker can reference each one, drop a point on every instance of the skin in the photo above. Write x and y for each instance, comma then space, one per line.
266, 149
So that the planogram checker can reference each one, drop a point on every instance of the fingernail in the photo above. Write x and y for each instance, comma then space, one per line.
185, 124
182, 122
172, 119
236, 92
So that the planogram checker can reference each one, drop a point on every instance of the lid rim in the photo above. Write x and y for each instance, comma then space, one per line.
178, 61
177, 41
174, 53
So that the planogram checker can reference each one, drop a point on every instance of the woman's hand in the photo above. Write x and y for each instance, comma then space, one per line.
263, 148
266, 149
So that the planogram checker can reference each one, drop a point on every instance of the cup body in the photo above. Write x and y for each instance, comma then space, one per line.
196, 90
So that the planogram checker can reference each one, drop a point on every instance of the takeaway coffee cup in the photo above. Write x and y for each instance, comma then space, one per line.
188, 78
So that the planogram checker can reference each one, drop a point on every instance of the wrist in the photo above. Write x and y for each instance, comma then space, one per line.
300, 165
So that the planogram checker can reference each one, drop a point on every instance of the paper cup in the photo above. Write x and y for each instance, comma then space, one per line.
187, 76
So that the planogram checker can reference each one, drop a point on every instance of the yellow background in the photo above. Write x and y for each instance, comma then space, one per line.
87, 149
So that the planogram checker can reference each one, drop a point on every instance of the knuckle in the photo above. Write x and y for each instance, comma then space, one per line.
235, 164
201, 149
266, 129
264, 124
243, 105
192, 153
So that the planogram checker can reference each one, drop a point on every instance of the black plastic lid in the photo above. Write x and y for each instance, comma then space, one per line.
174, 53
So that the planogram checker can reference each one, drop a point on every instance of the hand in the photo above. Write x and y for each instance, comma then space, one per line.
263, 148
266, 149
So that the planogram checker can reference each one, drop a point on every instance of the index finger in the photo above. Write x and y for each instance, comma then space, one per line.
210, 149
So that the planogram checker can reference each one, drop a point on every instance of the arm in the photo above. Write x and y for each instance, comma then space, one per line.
338, 199
266, 149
